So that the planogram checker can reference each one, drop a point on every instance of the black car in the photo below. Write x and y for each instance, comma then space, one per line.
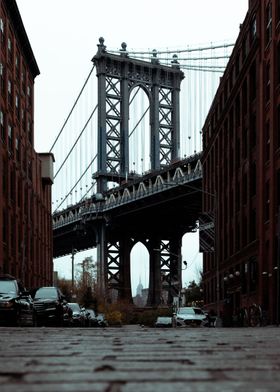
16, 305
49, 306
163, 322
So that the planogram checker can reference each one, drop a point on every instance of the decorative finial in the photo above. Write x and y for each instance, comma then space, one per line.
101, 46
123, 51
175, 62
154, 59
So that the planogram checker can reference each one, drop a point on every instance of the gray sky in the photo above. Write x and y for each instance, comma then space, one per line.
64, 35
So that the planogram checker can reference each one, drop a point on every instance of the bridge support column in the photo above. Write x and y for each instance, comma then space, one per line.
124, 291
154, 296
102, 261
165, 271
175, 268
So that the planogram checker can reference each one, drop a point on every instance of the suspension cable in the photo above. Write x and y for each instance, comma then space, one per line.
77, 182
177, 50
94, 183
73, 107
188, 58
138, 122
78, 138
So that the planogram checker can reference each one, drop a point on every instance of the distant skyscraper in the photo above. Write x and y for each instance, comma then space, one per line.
139, 288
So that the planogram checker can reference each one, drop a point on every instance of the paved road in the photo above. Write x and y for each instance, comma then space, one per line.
139, 359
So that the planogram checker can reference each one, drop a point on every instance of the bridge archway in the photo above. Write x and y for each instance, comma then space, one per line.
139, 273
139, 131
191, 254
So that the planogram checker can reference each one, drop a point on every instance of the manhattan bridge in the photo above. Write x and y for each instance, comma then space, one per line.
127, 161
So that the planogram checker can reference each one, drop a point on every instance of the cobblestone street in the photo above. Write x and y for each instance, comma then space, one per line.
139, 359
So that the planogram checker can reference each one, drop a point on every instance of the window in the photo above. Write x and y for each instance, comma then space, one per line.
10, 96
244, 97
2, 80
277, 11
278, 127
253, 273
244, 189
237, 111
278, 188
253, 29
2, 126
17, 106
267, 82
237, 196
17, 65
267, 141
4, 176
17, 149
253, 179
244, 143
237, 153
10, 139
268, 20
253, 130
1, 30
29, 131
253, 81
267, 202
253, 225
5, 225
278, 63
10, 50
23, 79
29, 95
12, 184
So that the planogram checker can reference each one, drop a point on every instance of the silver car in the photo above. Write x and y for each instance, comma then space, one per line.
191, 316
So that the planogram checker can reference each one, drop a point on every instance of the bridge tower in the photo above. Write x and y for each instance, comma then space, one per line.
118, 75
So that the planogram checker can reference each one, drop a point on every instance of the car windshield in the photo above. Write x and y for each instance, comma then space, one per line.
186, 311
46, 292
75, 307
8, 287
164, 319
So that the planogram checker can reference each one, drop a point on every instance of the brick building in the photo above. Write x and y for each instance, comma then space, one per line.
241, 170
25, 176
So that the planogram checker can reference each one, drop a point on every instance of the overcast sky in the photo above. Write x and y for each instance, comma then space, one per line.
64, 34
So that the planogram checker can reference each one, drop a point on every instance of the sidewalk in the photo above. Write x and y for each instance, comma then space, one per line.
135, 359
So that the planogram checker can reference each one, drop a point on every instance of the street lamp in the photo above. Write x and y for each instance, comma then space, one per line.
74, 251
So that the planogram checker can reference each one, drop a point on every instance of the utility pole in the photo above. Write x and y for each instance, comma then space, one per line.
74, 251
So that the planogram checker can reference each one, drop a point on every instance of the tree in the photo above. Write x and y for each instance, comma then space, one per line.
194, 294
86, 283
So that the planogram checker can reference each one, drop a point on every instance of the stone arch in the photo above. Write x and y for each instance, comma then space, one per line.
139, 267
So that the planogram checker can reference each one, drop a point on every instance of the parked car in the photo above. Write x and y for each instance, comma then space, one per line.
163, 322
101, 320
91, 318
16, 305
78, 315
191, 316
48, 305
67, 314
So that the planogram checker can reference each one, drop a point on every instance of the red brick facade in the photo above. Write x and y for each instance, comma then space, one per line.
241, 170
25, 193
